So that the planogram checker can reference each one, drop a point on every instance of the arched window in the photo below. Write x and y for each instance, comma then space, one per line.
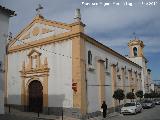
135, 51
132, 90
89, 57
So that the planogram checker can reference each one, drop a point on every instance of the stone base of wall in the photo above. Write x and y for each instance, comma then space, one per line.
18, 107
1, 102
93, 114
72, 112
59, 111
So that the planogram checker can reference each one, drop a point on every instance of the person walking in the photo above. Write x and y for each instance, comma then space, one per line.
104, 107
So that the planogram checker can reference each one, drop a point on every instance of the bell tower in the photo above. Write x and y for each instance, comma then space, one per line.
136, 55
136, 48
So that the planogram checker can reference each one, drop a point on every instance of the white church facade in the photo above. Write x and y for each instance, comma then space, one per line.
54, 66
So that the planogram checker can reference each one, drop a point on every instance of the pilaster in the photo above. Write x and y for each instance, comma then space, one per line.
113, 77
78, 74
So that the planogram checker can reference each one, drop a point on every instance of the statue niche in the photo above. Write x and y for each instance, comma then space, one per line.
35, 64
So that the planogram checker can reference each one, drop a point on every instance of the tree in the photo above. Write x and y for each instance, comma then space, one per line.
146, 95
119, 95
153, 94
130, 96
139, 94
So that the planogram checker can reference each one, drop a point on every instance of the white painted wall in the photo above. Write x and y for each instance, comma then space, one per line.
92, 78
4, 23
60, 79
14, 81
141, 61
60, 74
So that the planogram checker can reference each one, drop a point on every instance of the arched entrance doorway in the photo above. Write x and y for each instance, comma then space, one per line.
35, 96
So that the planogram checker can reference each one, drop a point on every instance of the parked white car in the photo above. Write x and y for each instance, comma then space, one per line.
131, 108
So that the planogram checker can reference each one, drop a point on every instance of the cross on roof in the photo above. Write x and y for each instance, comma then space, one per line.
134, 34
39, 9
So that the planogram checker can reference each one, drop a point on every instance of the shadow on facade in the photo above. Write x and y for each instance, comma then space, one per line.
55, 106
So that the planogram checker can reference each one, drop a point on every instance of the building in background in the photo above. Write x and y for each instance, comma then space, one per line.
157, 88
5, 14
55, 66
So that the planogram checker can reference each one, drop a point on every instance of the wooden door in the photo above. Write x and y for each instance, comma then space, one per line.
35, 96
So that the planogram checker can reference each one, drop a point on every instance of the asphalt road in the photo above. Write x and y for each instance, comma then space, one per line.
147, 114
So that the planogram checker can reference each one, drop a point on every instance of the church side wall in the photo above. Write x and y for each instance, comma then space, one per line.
92, 77
140, 61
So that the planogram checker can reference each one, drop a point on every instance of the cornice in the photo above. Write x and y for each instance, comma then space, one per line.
66, 36
102, 46
44, 41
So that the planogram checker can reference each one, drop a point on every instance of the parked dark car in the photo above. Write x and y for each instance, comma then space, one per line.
148, 104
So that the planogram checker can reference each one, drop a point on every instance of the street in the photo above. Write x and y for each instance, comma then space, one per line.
147, 114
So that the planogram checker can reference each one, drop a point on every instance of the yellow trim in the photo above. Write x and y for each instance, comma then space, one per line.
78, 74
55, 24
44, 30
131, 52
44, 41
32, 51
41, 20
113, 77
140, 51
101, 77
140, 45
29, 74
107, 49
36, 31
26, 36
136, 42
77, 31
22, 32
130, 79
77, 27
45, 91
123, 79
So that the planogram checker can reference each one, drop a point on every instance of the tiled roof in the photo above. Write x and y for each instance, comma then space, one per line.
7, 11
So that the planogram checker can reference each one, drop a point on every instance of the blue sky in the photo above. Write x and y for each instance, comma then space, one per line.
112, 25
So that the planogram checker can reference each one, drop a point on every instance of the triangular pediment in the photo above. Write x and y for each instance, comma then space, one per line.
34, 52
38, 29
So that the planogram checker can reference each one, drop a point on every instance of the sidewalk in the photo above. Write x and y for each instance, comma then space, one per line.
109, 117
19, 115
